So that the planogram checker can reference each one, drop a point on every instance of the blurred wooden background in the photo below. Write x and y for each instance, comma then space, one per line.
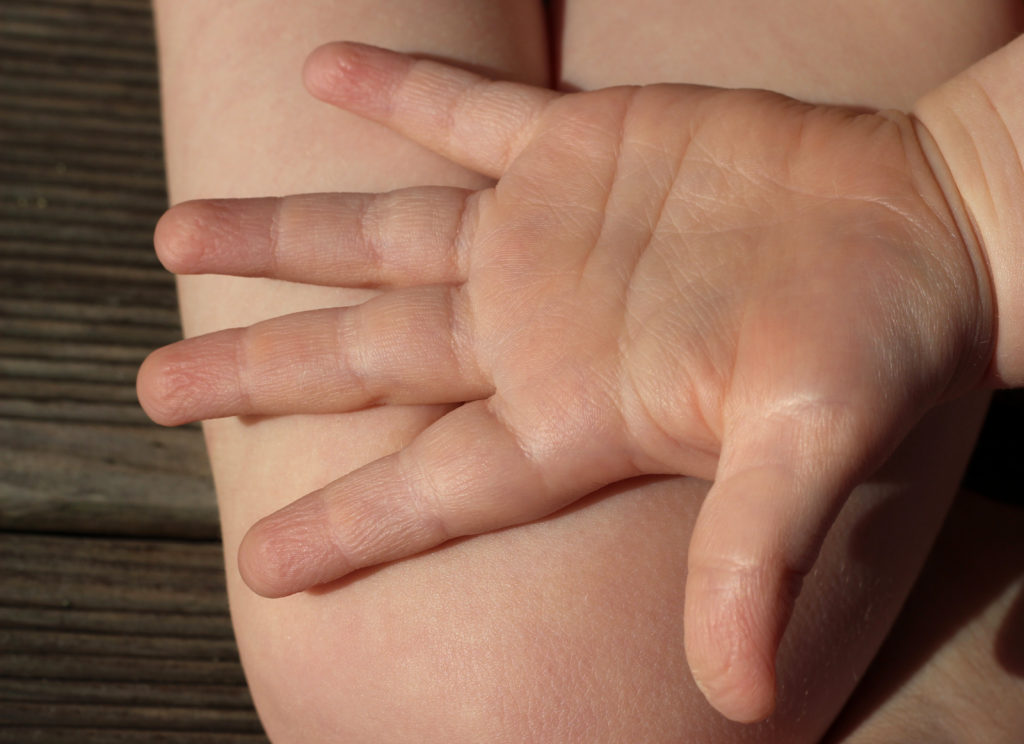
113, 617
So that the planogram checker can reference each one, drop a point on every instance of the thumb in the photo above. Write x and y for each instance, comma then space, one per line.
781, 482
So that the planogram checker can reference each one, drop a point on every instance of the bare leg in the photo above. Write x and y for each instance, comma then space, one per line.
238, 123
953, 667
566, 630
858, 52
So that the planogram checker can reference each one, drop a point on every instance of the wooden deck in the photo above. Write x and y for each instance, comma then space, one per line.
113, 620
113, 617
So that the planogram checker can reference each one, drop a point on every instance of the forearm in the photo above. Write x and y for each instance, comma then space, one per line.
976, 122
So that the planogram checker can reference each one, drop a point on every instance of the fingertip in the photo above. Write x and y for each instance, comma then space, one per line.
191, 380
289, 551
262, 566
326, 71
317, 70
178, 237
163, 389
351, 75
733, 622
744, 694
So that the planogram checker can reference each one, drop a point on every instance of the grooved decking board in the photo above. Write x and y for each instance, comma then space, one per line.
82, 297
102, 639
117, 640
114, 639
55, 735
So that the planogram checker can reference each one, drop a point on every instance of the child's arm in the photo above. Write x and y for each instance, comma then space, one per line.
973, 132
672, 280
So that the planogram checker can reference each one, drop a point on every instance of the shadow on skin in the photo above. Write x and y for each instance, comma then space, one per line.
1010, 641
975, 561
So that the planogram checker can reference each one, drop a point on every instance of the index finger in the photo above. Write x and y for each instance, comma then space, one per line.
479, 123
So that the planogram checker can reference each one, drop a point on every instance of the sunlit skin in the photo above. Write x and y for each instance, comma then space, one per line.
669, 279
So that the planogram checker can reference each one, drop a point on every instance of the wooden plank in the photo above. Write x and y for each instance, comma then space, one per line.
140, 339
17, 348
61, 735
66, 26
101, 293
93, 123
178, 624
88, 304
83, 298
25, 226
44, 389
64, 642
88, 180
64, 157
78, 51
108, 8
68, 204
138, 113
49, 369
120, 670
47, 69
101, 639
196, 718
131, 480
102, 636
157, 317
83, 272
130, 14
152, 695
99, 556
52, 247
67, 411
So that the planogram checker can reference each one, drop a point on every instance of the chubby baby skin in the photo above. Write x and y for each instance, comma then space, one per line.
352, 662
671, 279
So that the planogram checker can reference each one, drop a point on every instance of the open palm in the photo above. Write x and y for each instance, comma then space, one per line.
669, 279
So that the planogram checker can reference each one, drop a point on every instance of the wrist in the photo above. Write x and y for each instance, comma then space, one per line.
972, 130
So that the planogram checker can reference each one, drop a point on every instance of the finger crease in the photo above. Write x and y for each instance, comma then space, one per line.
243, 367
616, 166
351, 365
369, 236
461, 344
533, 461
335, 530
453, 109
459, 255
273, 254
425, 499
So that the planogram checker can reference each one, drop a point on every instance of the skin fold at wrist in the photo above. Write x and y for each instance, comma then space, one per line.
972, 131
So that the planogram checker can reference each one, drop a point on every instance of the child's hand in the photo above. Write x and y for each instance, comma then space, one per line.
671, 279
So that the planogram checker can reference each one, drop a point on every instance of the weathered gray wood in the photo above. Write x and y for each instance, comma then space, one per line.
82, 296
111, 573
61, 735
92, 478
19, 641
132, 717
127, 670
101, 639
116, 635
228, 697
134, 622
